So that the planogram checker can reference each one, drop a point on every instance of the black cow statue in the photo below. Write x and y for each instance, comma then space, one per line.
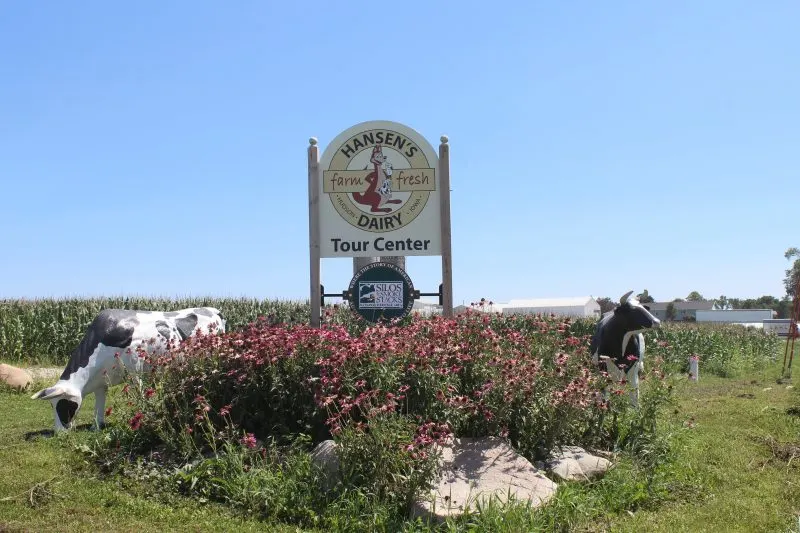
618, 341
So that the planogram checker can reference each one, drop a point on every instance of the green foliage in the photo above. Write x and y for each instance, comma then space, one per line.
792, 274
46, 331
377, 460
645, 298
606, 304
783, 306
694, 296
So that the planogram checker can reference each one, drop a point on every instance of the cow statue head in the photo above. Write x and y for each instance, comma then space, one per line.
66, 400
633, 316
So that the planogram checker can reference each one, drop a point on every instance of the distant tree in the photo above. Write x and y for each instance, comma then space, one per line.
783, 306
722, 302
793, 274
695, 296
767, 302
676, 300
644, 297
606, 304
670, 311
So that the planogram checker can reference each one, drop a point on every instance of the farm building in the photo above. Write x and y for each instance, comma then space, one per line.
425, 308
486, 308
778, 326
581, 306
736, 316
681, 310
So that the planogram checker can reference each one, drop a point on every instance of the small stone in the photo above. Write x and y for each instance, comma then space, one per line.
573, 463
324, 456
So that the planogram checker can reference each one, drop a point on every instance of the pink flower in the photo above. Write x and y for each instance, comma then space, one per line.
225, 410
149, 393
136, 422
248, 440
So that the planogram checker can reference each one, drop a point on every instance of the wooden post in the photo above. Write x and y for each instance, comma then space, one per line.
313, 231
447, 257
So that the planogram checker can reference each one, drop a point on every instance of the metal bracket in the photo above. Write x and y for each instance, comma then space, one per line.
345, 295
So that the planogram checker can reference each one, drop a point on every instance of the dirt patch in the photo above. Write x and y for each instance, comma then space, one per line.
45, 373
782, 452
748, 395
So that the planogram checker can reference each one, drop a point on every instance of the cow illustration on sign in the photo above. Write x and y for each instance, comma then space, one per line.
379, 191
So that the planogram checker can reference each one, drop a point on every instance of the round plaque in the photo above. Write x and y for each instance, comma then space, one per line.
381, 292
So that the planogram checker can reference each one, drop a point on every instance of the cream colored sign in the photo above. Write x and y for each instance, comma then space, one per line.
379, 193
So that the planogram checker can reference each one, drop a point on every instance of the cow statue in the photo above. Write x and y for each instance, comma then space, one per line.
618, 341
117, 338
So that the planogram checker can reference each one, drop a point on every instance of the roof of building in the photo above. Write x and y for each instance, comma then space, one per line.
551, 302
681, 306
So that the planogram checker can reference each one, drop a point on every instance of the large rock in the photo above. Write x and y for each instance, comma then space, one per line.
573, 463
14, 377
475, 470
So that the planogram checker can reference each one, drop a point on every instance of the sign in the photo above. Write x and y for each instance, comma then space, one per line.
381, 291
379, 193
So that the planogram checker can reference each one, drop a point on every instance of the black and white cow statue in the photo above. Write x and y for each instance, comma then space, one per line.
618, 341
117, 338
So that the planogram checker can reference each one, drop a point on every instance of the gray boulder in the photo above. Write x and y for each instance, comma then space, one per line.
474, 470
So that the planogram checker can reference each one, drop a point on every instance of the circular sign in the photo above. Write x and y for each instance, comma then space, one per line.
381, 291
379, 175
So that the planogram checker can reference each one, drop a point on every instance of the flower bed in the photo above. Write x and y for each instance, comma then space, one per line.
233, 417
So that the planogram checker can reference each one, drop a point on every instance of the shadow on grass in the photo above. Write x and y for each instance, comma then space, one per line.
48, 433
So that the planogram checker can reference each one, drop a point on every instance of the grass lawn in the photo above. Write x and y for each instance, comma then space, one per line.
739, 425
733, 453
44, 487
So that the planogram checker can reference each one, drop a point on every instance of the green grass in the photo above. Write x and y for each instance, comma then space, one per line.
44, 486
727, 477
744, 486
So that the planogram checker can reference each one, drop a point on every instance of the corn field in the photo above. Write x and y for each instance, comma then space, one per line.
724, 350
45, 331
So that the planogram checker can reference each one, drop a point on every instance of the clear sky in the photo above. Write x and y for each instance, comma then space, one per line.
159, 148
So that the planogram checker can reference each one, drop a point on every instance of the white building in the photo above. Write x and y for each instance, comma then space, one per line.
735, 316
581, 306
426, 308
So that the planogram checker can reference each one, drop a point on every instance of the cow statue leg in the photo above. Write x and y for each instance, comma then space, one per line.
100, 408
633, 381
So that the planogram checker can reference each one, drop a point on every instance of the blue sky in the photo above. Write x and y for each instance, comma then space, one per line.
159, 148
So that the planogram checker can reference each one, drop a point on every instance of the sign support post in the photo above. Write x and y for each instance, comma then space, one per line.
447, 254
313, 230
